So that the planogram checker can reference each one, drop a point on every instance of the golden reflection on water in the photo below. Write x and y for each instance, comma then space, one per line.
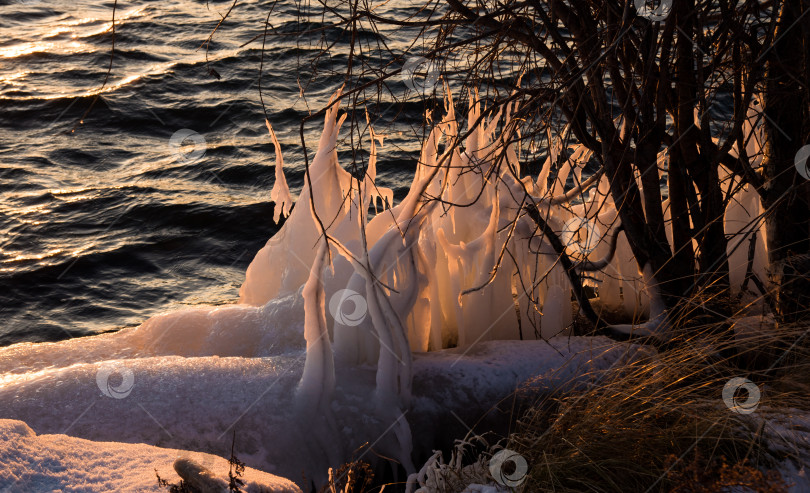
23, 49
39, 256
70, 37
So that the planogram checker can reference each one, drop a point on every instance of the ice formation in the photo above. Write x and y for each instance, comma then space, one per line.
453, 275
434, 276
423, 278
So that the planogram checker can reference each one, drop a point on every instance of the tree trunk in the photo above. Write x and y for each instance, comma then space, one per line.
786, 123
707, 211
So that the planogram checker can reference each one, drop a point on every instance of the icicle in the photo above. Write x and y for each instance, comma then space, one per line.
280, 194
371, 192
317, 384
556, 312
558, 186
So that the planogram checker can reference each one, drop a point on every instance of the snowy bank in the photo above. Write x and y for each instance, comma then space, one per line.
195, 403
35, 463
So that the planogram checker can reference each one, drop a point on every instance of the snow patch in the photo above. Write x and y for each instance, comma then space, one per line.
36, 463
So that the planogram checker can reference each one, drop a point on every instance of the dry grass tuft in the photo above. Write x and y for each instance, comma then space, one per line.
660, 423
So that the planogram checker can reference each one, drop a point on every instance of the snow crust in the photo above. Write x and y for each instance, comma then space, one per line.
194, 403
38, 463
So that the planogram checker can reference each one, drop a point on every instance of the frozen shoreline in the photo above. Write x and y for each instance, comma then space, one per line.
192, 403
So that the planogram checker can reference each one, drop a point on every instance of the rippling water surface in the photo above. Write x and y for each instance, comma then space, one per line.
102, 222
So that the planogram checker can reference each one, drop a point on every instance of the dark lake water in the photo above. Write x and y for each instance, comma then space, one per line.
102, 222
